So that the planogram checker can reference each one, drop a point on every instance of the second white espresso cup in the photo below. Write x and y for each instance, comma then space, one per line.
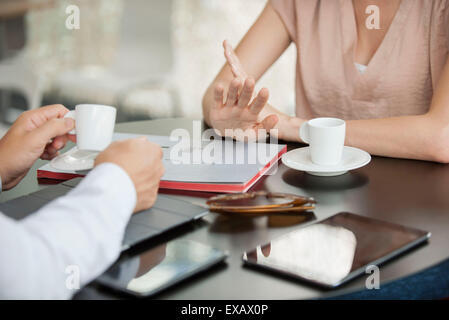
94, 126
326, 137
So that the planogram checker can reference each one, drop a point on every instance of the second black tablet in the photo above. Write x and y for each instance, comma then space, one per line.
333, 251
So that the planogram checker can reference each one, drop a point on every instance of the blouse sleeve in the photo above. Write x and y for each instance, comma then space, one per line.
446, 21
441, 16
287, 11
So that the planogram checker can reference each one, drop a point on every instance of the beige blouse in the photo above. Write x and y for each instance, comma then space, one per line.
399, 79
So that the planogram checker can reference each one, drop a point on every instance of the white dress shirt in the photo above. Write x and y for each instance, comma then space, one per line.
40, 256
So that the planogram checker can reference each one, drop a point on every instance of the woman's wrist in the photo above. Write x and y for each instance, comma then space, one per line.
288, 128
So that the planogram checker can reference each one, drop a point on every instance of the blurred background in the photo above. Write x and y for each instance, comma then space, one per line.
149, 58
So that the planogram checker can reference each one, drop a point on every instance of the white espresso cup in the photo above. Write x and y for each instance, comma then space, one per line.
94, 126
326, 137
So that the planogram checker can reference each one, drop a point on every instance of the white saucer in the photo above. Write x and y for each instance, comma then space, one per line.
75, 160
352, 158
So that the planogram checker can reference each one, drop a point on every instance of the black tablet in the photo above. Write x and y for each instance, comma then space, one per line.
148, 273
336, 250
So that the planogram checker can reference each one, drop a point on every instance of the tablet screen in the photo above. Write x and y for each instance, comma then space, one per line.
335, 250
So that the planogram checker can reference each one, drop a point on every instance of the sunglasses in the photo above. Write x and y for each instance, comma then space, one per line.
260, 203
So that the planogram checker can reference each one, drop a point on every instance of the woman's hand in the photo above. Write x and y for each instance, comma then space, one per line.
35, 134
238, 115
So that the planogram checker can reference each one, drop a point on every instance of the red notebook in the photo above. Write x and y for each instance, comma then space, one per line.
237, 172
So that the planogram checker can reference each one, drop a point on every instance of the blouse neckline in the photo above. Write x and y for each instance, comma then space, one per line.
385, 47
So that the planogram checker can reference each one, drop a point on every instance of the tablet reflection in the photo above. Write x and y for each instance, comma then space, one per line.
320, 252
128, 273
149, 272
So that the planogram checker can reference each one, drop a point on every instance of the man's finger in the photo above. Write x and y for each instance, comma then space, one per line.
48, 156
60, 142
50, 149
40, 116
53, 111
52, 128
45, 156
260, 101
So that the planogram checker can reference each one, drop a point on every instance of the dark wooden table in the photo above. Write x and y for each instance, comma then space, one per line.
412, 193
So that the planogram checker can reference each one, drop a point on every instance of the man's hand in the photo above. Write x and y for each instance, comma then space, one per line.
142, 161
36, 134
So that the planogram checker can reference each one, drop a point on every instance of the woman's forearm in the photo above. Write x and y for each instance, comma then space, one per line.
421, 137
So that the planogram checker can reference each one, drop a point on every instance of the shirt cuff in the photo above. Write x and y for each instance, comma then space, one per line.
116, 181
